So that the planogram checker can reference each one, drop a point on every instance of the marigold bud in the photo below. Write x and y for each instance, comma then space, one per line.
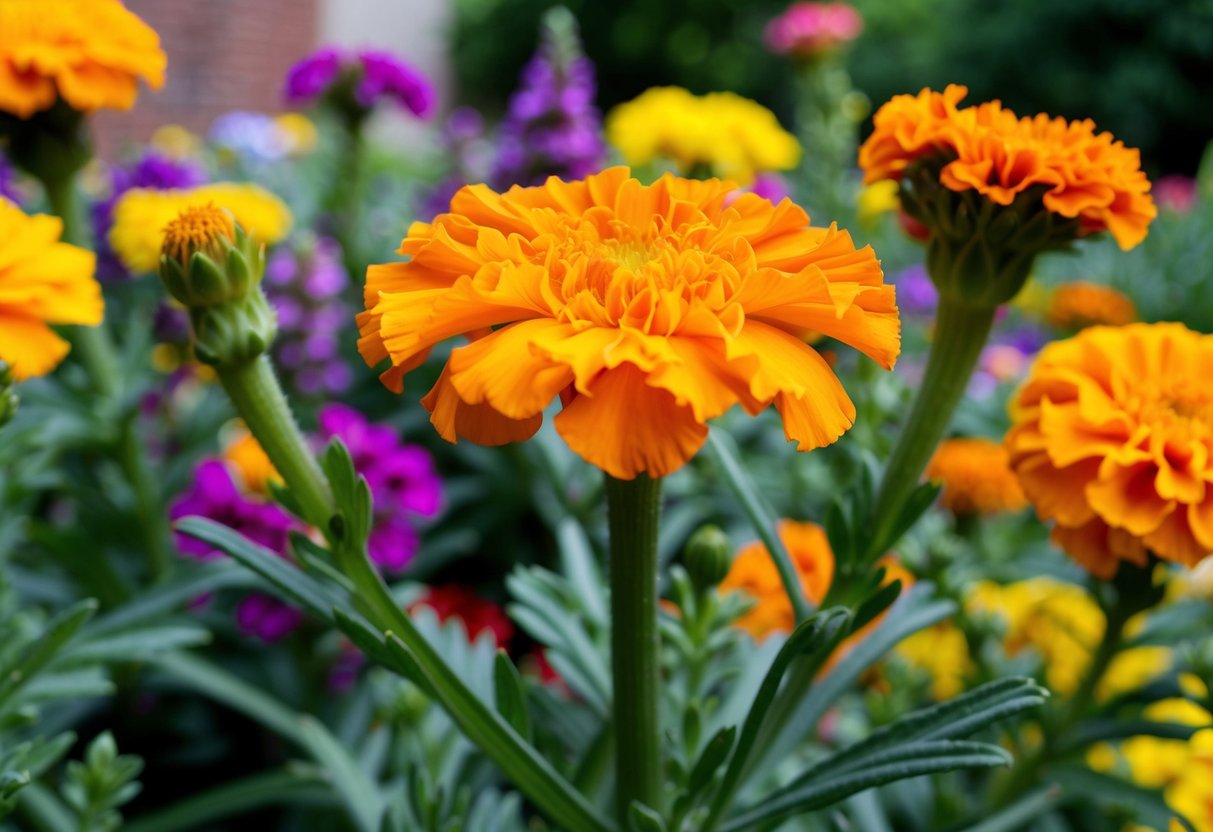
708, 556
212, 267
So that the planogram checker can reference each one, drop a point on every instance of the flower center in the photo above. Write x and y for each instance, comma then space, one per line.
197, 228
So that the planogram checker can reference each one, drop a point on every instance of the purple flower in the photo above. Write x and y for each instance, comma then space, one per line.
552, 127
401, 477
267, 618
151, 170
213, 495
7, 189
305, 289
253, 136
916, 294
385, 76
311, 77
771, 187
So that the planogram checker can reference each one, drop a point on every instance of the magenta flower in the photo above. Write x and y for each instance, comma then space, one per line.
267, 618
374, 76
807, 29
385, 76
310, 78
213, 495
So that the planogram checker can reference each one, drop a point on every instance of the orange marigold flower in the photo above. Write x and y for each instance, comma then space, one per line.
988, 149
976, 477
42, 281
1113, 440
90, 53
649, 309
1081, 303
244, 453
753, 573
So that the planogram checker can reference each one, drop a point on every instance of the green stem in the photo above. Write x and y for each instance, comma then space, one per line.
634, 508
961, 331
343, 203
94, 348
258, 398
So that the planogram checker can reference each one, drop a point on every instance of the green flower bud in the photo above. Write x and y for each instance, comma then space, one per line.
979, 252
8, 396
214, 269
708, 556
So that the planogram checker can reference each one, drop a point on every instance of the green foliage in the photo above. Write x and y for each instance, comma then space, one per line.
98, 787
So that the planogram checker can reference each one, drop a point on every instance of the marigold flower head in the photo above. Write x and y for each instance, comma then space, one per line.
976, 477
649, 309
1078, 173
90, 53
806, 29
720, 132
1112, 439
1156, 762
42, 281
943, 652
1192, 794
1080, 304
141, 216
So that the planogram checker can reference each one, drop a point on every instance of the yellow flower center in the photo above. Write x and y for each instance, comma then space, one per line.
197, 228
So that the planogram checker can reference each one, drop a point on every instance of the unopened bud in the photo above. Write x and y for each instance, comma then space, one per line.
708, 556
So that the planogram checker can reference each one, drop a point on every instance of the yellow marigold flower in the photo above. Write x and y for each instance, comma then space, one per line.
246, 457
1192, 794
1155, 762
1059, 621
142, 214
299, 132
1131, 669
876, 199
1112, 439
90, 53
1081, 304
988, 149
42, 281
1102, 757
976, 477
943, 652
731, 136
753, 573
649, 309
176, 141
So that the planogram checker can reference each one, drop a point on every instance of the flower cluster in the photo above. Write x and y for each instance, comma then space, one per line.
305, 289
42, 282
374, 76
976, 477
152, 171
649, 309
808, 29
1078, 174
720, 133
141, 215
552, 127
260, 138
1113, 441
89, 53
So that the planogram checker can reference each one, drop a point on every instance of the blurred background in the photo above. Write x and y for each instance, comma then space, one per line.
1139, 68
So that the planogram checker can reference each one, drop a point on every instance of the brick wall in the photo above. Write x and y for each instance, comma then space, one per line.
222, 55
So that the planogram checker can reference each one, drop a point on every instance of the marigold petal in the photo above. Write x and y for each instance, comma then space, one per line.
1127, 494
508, 370
626, 428
29, 347
455, 419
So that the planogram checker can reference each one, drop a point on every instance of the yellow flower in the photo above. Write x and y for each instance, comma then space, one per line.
1131, 669
42, 281
648, 309
1112, 439
876, 199
943, 652
1192, 794
1155, 762
244, 455
1081, 304
90, 53
976, 477
176, 141
141, 215
298, 131
731, 136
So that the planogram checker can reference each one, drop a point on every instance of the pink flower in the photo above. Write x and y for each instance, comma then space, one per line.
808, 29
1175, 192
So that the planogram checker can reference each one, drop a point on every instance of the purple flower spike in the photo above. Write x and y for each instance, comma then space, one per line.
307, 80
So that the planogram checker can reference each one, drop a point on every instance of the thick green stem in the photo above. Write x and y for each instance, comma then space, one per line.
94, 349
634, 508
961, 331
344, 202
258, 398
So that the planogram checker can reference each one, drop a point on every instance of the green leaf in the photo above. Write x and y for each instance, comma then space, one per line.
140, 644
580, 567
361, 795
916, 504
721, 445
814, 640
193, 580
1020, 813
710, 759
36, 656
643, 819
510, 696
304, 590
925, 758
1147, 805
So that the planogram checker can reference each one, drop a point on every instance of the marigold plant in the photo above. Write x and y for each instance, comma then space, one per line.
1113, 441
648, 309
42, 282
90, 53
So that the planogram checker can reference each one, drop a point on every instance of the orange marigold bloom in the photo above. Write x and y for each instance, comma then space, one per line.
988, 149
976, 477
42, 282
649, 309
1113, 440
753, 572
90, 53
1081, 303
244, 454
